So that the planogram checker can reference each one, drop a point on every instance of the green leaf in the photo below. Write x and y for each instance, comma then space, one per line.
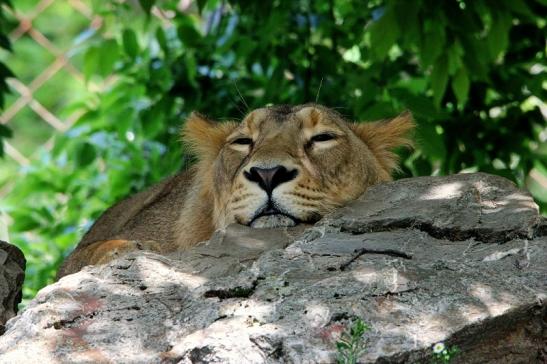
439, 79
408, 20
5, 132
201, 5
420, 105
383, 34
498, 36
91, 61
130, 43
25, 221
535, 181
432, 46
109, 54
460, 85
146, 5
5, 72
85, 154
188, 34
454, 54
4, 42
7, 3
99, 60
430, 142
378, 110
519, 7
162, 40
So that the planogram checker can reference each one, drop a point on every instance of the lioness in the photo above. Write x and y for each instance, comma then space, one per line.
280, 166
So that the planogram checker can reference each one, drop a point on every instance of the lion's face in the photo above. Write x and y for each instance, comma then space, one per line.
285, 165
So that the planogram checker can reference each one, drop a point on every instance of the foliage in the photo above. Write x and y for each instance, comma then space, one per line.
5, 72
443, 354
471, 72
352, 345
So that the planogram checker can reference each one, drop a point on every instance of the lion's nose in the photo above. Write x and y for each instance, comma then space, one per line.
270, 178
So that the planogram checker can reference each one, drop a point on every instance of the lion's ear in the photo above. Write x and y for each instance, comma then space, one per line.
383, 136
205, 137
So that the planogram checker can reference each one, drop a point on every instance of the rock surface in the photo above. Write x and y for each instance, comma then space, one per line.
458, 259
12, 275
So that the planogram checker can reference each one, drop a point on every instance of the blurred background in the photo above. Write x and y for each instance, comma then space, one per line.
93, 92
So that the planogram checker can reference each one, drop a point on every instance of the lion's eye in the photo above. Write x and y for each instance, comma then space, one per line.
243, 141
323, 137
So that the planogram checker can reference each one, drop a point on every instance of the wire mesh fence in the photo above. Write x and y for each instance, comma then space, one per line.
48, 38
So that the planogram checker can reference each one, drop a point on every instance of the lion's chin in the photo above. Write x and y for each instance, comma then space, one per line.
273, 221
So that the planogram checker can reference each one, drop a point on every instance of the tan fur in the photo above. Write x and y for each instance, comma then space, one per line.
205, 138
186, 209
383, 136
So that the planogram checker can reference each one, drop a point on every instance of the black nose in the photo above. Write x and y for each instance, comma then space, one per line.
270, 178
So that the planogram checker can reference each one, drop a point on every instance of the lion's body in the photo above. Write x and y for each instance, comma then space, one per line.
146, 216
279, 167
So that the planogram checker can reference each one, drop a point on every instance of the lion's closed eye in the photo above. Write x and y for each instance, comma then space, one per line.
323, 137
243, 141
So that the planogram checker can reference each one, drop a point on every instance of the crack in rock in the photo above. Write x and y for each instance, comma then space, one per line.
363, 251
235, 292
57, 325
451, 233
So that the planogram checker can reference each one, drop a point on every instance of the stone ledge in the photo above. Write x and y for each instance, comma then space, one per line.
261, 296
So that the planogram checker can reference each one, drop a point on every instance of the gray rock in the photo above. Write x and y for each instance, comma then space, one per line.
481, 206
12, 275
457, 259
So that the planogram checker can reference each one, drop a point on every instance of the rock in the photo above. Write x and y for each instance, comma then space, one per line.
458, 259
480, 206
12, 275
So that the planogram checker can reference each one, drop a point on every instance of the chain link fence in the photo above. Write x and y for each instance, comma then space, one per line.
49, 38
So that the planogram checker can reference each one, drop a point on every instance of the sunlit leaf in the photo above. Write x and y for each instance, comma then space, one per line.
91, 61
109, 54
536, 181
99, 60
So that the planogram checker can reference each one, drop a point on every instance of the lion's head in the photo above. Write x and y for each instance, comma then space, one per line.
283, 165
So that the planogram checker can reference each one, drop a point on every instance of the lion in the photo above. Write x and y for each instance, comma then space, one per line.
279, 167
